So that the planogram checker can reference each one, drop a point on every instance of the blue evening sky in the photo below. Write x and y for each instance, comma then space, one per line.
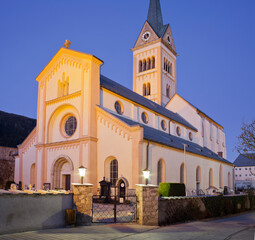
215, 41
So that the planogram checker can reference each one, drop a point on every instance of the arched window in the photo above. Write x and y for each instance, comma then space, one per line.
148, 90
113, 172
169, 65
164, 64
148, 66
229, 180
198, 179
32, 174
182, 174
161, 171
203, 129
144, 65
153, 62
144, 89
140, 66
168, 91
210, 177
171, 69
221, 177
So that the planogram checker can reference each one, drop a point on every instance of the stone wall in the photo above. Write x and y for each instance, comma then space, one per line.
147, 204
24, 212
83, 194
181, 209
7, 165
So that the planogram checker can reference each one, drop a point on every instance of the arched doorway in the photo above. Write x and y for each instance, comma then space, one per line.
62, 173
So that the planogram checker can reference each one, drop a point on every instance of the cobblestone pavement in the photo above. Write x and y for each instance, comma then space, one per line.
239, 227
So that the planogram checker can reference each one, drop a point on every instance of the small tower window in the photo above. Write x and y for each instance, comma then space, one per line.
140, 66
148, 67
144, 89
168, 91
144, 65
148, 91
153, 62
190, 136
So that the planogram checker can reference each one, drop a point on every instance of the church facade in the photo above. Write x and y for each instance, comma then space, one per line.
87, 119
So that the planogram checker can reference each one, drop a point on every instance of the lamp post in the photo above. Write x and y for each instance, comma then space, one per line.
146, 175
82, 172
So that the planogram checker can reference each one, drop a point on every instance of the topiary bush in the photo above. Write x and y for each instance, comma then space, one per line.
172, 189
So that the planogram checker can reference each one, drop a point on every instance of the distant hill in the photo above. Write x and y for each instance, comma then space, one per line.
14, 129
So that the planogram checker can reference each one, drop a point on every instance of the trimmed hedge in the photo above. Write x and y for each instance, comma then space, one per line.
171, 189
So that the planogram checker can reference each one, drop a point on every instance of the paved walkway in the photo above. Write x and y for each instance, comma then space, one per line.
239, 227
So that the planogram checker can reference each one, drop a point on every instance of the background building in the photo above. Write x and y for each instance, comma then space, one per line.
245, 171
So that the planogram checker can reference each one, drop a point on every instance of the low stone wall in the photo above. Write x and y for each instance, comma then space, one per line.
181, 209
25, 212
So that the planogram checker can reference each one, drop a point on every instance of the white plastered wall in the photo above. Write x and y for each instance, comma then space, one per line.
174, 158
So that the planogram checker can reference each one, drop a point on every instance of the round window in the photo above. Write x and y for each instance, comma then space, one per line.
163, 125
169, 39
146, 36
145, 117
190, 136
178, 131
70, 126
118, 107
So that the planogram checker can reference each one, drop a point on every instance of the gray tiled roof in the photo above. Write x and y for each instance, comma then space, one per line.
129, 94
164, 138
154, 17
245, 160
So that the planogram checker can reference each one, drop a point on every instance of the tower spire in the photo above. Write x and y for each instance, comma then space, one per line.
155, 18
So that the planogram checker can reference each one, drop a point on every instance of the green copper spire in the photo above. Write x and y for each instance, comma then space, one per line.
155, 18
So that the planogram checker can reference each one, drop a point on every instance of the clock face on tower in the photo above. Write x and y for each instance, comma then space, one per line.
169, 39
146, 36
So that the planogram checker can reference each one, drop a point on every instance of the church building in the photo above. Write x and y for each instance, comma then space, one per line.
86, 119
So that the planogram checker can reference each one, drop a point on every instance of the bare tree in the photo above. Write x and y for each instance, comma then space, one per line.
246, 140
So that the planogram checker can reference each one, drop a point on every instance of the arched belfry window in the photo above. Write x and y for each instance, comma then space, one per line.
113, 172
140, 66
148, 90
148, 64
144, 65
144, 89
153, 62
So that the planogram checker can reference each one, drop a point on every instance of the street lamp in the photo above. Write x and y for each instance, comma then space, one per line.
146, 175
82, 172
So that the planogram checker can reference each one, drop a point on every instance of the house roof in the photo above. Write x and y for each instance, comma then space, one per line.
245, 160
129, 94
166, 139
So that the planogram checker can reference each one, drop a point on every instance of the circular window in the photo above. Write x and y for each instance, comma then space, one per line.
178, 131
190, 136
118, 107
70, 126
146, 36
163, 125
145, 117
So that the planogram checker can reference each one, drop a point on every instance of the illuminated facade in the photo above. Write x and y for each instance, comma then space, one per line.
84, 118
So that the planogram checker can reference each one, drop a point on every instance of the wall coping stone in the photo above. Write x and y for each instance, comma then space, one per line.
149, 185
84, 184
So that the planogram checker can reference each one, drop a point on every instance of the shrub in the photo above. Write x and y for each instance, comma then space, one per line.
171, 189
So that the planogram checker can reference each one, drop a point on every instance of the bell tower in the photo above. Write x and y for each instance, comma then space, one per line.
154, 58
